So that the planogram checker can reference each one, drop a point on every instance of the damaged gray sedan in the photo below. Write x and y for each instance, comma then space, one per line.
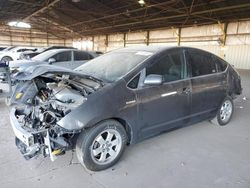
117, 99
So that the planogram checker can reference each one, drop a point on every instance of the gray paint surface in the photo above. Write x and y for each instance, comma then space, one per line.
44, 57
201, 155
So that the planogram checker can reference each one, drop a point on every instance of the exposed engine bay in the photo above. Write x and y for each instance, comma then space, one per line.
42, 102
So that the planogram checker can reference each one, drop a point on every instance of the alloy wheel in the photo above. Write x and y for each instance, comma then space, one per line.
106, 146
226, 111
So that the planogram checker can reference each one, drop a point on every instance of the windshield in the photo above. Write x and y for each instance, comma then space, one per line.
44, 56
114, 65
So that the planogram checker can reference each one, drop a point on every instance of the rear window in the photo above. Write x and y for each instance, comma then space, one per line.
201, 63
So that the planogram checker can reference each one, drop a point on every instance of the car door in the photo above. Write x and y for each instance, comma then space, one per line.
208, 88
165, 106
80, 58
63, 59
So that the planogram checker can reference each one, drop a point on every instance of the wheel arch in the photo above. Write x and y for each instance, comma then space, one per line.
123, 122
126, 126
216, 120
7, 57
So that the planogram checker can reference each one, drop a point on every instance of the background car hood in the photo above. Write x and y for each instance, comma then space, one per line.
24, 63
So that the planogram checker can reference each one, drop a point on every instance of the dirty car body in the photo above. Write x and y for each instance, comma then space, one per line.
57, 104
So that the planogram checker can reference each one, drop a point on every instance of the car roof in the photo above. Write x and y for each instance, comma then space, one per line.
156, 49
62, 47
55, 51
68, 49
60, 50
26, 47
58, 47
152, 49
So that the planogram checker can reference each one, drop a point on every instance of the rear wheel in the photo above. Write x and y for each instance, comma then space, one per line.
6, 59
101, 146
225, 112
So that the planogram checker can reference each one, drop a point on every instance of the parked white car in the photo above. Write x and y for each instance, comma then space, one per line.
68, 58
13, 53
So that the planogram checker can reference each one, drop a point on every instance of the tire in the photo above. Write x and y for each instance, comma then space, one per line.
101, 146
6, 59
224, 113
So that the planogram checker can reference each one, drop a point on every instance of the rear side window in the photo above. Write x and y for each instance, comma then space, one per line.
79, 56
171, 67
62, 56
201, 63
221, 65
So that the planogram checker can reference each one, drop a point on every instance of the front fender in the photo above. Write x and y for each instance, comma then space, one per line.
108, 103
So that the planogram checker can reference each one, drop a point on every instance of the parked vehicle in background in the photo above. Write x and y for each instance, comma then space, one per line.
68, 58
13, 53
29, 55
8, 48
2, 48
99, 52
119, 98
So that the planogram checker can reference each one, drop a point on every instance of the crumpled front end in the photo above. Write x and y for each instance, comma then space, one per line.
42, 102
40, 138
33, 142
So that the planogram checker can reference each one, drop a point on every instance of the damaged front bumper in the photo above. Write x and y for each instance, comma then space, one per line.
32, 143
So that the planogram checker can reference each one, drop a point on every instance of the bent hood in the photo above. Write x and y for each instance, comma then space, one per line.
35, 71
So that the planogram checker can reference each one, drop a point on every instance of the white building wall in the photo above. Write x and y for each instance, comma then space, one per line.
100, 43
238, 55
115, 41
166, 37
236, 49
29, 37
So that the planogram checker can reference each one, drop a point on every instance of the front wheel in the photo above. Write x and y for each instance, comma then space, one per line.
225, 112
101, 147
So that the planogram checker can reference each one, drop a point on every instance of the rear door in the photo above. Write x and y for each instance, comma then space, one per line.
208, 89
165, 106
80, 58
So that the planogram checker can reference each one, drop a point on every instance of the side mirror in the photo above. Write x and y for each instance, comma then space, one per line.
51, 60
153, 79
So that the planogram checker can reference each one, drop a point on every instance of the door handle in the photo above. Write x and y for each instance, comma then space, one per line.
130, 102
186, 90
168, 94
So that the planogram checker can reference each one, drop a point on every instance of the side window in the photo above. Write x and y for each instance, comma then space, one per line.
79, 56
22, 50
25, 49
133, 84
170, 66
220, 64
62, 56
201, 63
